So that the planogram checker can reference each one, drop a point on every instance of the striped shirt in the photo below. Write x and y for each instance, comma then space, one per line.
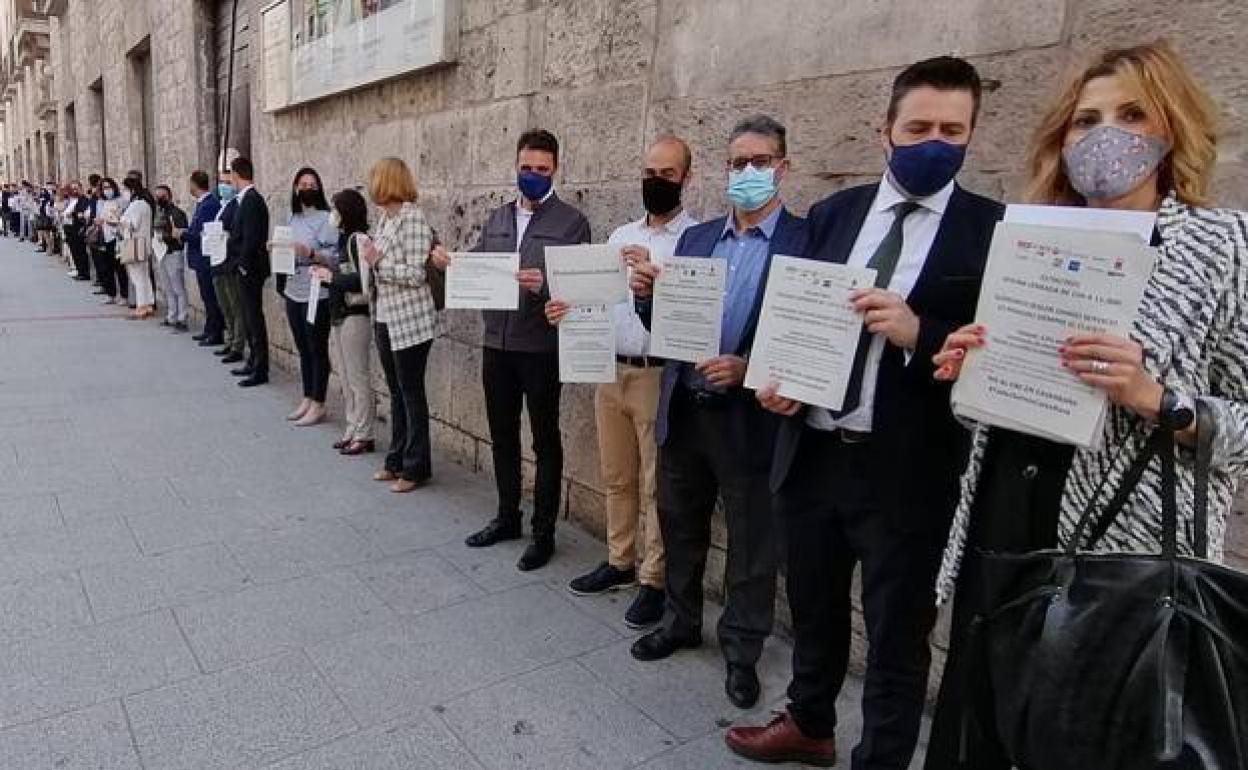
400, 297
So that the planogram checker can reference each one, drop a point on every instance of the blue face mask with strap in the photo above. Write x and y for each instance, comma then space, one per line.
925, 168
534, 186
751, 188
226, 192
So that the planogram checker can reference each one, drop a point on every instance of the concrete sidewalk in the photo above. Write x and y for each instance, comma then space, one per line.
189, 583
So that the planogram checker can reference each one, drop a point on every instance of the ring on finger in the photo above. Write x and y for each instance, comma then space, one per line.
1100, 366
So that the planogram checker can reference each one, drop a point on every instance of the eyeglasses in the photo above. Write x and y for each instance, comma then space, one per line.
759, 162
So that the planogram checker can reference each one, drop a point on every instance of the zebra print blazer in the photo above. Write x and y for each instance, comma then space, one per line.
1193, 326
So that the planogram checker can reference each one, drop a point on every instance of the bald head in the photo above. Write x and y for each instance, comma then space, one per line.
668, 158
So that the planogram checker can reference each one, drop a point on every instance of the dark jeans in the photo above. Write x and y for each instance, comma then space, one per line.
109, 272
833, 521
214, 319
251, 297
411, 455
1022, 477
704, 461
312, 342
512, 381
78, 252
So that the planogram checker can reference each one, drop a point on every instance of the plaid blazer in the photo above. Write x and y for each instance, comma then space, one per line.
399, 294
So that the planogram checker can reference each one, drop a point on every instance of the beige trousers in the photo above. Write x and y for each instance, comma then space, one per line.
349, 354
625, 411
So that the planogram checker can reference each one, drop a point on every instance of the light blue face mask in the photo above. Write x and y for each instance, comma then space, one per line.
750, 188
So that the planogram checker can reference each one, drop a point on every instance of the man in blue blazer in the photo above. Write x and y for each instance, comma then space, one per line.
715, 440
206, 208
875, 483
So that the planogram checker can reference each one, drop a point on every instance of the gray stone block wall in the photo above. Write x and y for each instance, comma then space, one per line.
607, 76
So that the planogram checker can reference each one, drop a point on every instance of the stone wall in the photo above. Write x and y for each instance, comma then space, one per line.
607, 76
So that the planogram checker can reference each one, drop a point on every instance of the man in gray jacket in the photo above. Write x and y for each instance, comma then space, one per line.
520, 361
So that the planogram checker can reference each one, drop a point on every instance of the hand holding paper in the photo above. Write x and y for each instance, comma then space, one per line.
478, 280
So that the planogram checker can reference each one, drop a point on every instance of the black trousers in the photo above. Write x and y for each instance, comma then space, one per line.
109, 273
833, 522
411, 453
78, 252
251, 297
1017, 506
514, 380
214, 319
703, 461
312, 342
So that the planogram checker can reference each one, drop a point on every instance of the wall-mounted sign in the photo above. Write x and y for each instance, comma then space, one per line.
315, 48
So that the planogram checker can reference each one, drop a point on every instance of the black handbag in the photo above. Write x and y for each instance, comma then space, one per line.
1117, 661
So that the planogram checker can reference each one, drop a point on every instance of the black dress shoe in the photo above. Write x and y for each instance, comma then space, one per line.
537, 555
242, 371
496, 531
742, 686
222, 352
199, 337
210, 344
232, 358
253, 381
659, 644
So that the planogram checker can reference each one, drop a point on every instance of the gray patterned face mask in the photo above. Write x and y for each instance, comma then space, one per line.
1109, 162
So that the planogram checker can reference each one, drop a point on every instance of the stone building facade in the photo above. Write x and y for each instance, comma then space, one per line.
139, 85
27, 106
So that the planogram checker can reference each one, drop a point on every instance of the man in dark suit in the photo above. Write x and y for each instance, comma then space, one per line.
206, 208
248, 238
520, 360
875, 483
715, 440
77, 214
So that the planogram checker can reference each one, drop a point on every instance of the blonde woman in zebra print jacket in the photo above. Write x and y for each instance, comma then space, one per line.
1131, 131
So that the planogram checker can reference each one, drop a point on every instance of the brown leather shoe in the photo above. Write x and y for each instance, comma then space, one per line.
780, 740
385, 475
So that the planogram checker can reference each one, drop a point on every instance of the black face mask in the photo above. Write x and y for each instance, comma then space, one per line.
660, 196
308, 197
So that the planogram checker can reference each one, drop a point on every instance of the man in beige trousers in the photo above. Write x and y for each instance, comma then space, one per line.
625, 409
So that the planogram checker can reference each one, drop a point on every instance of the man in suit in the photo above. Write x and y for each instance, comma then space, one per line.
248, 238
715, 440
875, 482
225, 279
520, 360
206, 208
77, 214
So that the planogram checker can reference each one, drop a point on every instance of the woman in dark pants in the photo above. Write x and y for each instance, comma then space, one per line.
405, 319
112, 275
315, 241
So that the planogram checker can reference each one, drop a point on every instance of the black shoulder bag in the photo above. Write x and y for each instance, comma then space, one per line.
1117, 661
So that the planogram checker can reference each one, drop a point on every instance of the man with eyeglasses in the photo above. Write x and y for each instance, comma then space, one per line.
715, 440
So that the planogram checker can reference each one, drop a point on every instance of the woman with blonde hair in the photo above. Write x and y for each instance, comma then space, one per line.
404, 319
135, 249
1131, 131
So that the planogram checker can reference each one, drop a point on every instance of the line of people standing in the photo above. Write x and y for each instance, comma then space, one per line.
891, 483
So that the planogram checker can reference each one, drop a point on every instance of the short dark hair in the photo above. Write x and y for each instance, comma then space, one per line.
165, 189
944, 73
538, 139
352, 212
242, 166
763, 125
200, 179
93, 179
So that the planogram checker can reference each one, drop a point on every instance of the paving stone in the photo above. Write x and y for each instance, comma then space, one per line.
28, 514
685, 693
83, 506
268, 619
102, 541
422, 745
199, 524
151, 582
244, 717
557, 718
706, 752
416, 582
300, 550
38, 606
95, 738
396, 669
81, 666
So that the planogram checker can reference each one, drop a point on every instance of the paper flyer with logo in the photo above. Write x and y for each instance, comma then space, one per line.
688, 309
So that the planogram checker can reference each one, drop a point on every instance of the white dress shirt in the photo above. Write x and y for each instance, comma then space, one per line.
918, 234
631, 337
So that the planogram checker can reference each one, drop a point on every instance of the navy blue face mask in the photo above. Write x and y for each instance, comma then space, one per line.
924, 168
533, 185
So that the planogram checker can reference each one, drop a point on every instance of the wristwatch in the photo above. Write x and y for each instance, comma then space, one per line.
1177, 411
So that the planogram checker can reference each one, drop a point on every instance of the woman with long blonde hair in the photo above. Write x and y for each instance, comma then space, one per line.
1132, 130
